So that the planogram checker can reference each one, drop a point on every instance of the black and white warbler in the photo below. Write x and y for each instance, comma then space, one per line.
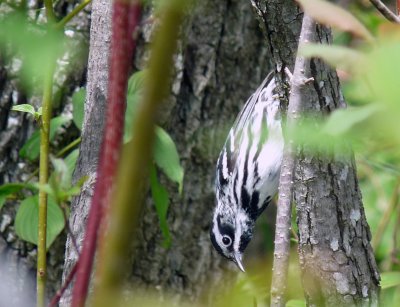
248, 171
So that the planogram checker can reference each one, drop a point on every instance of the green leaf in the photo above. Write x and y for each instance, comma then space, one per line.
161, 202
70, 161
12, 188
60, 181
167, 158
134, 94
336, 56
343, 120
296, 303
27, 108
136, 82
381, 77
390, 279
26, 221
332, 15
31, 148
61, 174
78, 103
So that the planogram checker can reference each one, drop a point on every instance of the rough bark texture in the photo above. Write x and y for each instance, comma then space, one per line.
221, 60
92, 132
337, 261
19, 257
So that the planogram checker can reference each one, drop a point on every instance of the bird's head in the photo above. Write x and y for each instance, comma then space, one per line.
230, 233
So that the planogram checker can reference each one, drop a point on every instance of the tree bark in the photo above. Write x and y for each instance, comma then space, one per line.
221, 60
92, 130
336, 258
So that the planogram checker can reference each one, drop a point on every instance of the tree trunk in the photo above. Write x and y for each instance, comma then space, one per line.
221, 60
337, 262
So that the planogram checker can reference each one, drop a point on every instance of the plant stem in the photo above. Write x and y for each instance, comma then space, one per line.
72, 14
43, 178
126, 17
283, 220
48, 4
115, 247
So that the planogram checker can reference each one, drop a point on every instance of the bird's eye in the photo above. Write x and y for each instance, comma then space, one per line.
226, 240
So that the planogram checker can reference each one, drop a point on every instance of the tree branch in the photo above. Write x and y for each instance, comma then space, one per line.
385, 11
283, 221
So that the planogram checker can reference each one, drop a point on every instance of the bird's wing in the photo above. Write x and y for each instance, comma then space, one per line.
233, 145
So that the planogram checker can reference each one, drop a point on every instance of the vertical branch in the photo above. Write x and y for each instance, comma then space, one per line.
43, 177
125, 18
116, 245
299, 81
48, 4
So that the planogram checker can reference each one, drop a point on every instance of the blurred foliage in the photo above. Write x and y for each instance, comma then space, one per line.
30, 47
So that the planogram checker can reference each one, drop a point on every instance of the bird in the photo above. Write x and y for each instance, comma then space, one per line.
247, 171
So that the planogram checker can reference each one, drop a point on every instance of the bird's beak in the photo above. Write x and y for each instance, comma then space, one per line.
238, 260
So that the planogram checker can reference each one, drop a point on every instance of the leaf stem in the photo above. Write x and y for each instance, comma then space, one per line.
61, 24
68, 147
43, 178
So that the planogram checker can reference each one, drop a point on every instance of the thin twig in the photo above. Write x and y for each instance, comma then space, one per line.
376, 240
68, 227
56, 298
68, 147
385, 11
299, 81
396, 229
